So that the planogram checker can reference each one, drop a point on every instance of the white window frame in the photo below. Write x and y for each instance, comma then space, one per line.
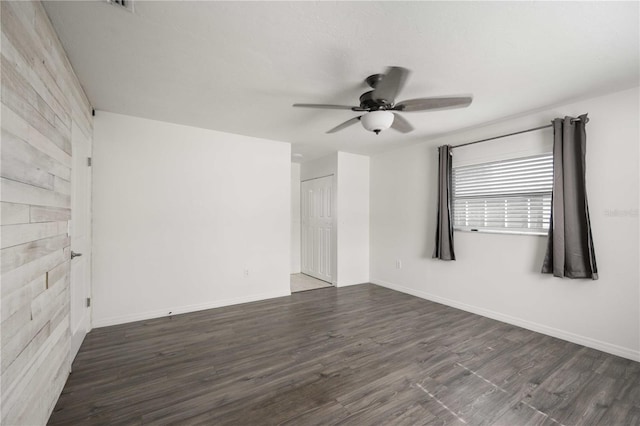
522, 185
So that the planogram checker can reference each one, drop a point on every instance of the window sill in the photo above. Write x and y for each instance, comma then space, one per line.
542, 233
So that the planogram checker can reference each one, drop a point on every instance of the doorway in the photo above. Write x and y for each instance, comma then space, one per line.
317, 216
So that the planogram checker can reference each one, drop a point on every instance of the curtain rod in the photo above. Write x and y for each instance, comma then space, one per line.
509, 134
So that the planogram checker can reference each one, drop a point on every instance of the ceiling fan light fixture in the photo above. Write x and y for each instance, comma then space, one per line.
376, 121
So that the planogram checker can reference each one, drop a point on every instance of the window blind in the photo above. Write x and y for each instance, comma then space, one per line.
511, 195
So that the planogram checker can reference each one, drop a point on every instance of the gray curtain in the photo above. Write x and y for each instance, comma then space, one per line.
444, 225
570, 251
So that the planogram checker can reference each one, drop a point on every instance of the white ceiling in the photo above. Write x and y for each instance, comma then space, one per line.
238, 66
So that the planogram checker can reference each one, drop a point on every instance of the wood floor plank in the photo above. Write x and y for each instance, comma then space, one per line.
358, 355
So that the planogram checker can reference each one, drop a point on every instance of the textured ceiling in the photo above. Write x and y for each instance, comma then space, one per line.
238, 66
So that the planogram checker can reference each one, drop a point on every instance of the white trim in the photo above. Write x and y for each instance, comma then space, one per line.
74, 345
540, 328
318, 177
350, 284
159, 313
522, 231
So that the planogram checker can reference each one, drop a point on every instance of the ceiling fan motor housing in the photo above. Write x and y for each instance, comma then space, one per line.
367, 102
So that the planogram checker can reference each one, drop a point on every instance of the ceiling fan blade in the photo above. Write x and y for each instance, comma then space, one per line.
325, 106
390, 85
427, 104
344, 125
401, 124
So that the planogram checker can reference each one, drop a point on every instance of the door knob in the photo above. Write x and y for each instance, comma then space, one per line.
74, 254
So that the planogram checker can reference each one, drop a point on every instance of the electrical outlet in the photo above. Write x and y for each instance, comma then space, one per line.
398, 264
246, 272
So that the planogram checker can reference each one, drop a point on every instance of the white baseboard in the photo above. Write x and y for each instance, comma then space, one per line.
349, 284
159, 313
540, 328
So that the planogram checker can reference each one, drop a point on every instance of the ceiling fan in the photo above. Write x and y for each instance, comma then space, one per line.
380, 109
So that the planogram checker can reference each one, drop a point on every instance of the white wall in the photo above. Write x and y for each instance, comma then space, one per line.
321, 167
180, 215
353, 219
295, 218
498, 275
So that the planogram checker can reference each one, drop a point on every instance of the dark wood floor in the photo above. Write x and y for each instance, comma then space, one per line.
359, 355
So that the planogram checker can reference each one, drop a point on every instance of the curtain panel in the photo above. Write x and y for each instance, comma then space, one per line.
570, 251
444, 225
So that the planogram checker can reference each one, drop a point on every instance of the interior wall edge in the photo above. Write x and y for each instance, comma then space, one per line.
610, 348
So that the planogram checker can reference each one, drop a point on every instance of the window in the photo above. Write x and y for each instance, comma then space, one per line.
512, 196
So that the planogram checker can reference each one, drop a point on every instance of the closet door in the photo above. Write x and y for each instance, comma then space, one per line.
317, 224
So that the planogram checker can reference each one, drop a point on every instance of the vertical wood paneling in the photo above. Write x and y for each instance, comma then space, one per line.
16, 125
41, 99
49, 93
16, 256
13, 235
15, 149
17, 300
12, 213
18, 192
29, 105
13, 280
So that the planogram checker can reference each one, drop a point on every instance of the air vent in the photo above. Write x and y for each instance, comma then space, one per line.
125, 4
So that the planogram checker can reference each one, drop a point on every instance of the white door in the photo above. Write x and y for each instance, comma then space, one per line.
317, 227
80, 231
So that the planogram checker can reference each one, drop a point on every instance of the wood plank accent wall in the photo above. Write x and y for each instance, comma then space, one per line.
41, 98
